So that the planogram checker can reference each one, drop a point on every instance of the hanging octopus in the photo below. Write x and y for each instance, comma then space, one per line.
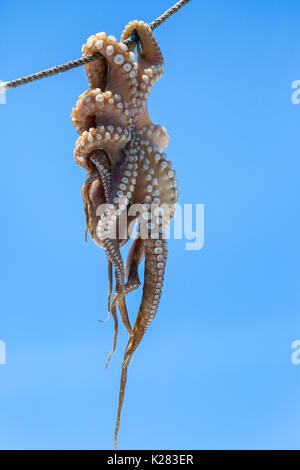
121, 151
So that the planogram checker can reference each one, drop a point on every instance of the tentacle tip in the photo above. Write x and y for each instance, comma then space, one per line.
109, 357
107, 362
106, 318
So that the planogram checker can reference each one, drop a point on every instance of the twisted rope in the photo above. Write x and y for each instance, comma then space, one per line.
89, 58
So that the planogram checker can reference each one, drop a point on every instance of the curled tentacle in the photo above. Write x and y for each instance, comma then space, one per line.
95, 108
149, 56
102, 137
121, 69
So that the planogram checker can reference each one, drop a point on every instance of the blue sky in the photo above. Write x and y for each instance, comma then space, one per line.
214, 370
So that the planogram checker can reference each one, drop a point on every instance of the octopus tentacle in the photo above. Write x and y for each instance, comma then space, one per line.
97, 70
157, 179
120, 63
104, 137
120, 299
83, 115
155, 134
98, 177
134, 258
150, 55
150, 64
160, 188
109, 285
109, 223
95, 108
114, 315
155, 261
109, 266
114, 256
110, 245
86, 205
102, 163
111, 248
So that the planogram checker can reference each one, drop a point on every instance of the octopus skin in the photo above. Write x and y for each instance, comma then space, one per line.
122, 152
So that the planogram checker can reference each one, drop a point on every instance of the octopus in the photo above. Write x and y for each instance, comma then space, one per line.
130, 183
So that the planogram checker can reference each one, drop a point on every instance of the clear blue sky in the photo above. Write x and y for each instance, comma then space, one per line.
214, 370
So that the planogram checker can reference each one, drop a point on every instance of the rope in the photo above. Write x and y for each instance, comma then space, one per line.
89, 58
